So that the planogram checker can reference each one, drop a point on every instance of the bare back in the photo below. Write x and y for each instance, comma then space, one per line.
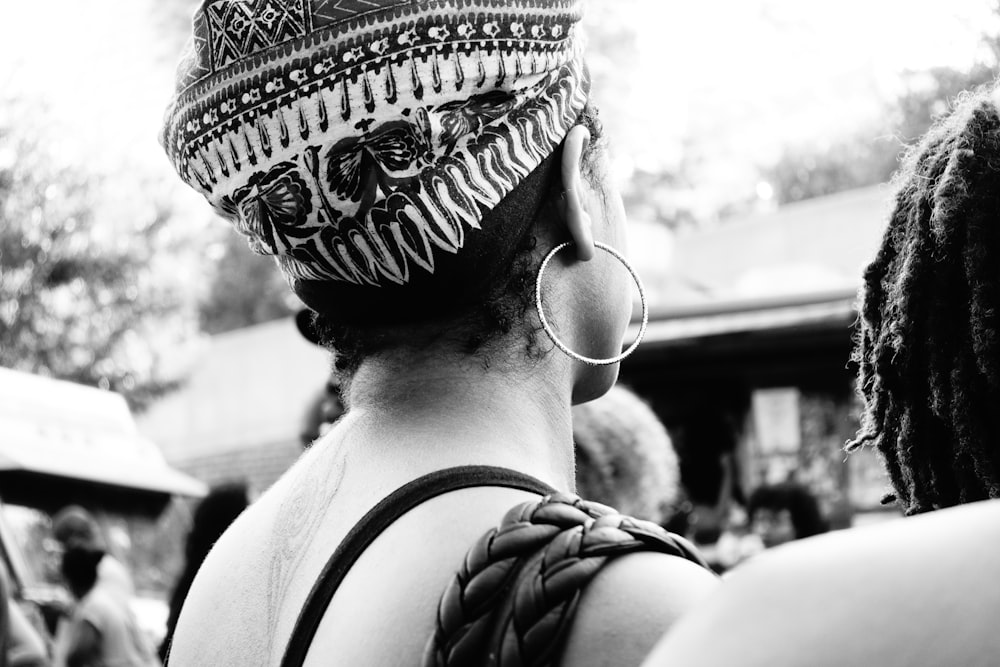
248, 594
256, 580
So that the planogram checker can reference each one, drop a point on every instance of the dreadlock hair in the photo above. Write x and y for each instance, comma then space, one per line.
927, 349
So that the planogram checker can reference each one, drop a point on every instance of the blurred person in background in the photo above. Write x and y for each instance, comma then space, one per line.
624, 457
21, 645
102, 629
214, 514
711, 511
325, 408
780, 513
919, 591
415, 168
74, 526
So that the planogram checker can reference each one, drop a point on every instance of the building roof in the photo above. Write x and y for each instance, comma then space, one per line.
68, 433
835, 308
246, 387
800, 264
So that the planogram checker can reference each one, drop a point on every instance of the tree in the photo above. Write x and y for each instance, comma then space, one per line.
807, 172
88, 292
244, 289
871, 156
653, 190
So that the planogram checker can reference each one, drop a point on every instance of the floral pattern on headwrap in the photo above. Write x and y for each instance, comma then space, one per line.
357, 140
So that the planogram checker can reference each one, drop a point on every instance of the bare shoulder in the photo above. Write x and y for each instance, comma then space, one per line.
906, 592
228, 579
630, 604
253, 570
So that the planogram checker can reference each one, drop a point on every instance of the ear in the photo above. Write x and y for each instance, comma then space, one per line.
577, 219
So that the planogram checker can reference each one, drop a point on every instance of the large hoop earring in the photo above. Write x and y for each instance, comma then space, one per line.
552, 334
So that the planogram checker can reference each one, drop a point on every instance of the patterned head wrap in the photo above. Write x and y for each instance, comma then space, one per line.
369, 145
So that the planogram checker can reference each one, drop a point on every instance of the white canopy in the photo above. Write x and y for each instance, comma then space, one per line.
65, 430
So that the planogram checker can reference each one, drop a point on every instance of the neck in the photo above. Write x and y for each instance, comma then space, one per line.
417, 414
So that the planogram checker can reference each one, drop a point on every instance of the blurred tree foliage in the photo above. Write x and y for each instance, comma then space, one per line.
244, 288
86, 291
651, 191
872, 155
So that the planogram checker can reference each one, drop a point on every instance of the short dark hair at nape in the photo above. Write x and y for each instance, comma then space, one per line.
928, 347
477, 328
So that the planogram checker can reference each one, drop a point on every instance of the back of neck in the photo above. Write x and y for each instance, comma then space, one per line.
451, 410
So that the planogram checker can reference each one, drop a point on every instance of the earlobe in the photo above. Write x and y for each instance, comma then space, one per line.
577, 219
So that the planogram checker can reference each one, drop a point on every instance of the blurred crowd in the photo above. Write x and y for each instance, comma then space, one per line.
99, 619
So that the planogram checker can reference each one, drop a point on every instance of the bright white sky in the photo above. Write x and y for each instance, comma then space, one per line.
739, 78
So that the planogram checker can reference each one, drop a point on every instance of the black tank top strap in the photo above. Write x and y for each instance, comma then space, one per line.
380, 517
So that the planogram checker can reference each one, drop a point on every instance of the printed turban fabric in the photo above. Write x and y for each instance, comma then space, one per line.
362, 142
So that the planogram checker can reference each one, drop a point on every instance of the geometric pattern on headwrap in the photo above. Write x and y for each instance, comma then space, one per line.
357, 140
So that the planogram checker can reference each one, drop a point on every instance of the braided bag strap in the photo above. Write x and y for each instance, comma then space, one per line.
513, 600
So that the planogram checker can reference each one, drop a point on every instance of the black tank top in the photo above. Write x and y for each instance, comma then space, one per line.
374, 523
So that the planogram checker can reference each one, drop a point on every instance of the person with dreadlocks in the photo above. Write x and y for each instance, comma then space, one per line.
928, 351
919, 591
432, 180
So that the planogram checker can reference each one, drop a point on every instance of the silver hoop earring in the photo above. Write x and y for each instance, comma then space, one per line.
552, 334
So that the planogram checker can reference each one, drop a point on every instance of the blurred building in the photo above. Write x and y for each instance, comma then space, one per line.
751, 326
750, 332
237, 416
63, 443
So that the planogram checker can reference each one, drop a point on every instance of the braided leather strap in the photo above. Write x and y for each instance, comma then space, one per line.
514, 598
